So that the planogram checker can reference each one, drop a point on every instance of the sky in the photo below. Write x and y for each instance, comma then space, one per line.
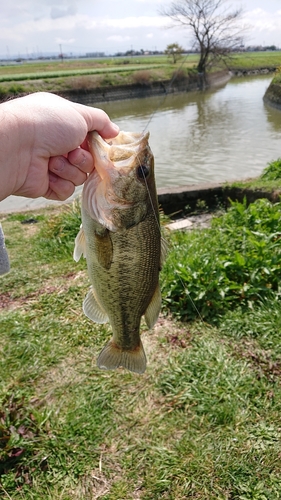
37, 27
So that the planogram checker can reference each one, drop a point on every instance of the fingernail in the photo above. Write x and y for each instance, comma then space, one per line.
59, 165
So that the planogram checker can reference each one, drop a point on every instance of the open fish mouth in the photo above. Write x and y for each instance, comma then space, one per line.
118, 182
121, 152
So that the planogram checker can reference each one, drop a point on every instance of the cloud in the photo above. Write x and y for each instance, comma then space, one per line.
65, 41
118, 38
63, 12
263, 21
133, 22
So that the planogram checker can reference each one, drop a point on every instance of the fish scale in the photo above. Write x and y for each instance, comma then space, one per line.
118, 287
120, 238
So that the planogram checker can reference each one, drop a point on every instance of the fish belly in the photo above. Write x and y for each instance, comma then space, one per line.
123, 267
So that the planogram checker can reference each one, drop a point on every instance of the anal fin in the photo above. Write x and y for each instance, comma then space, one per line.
112, 357
153, 310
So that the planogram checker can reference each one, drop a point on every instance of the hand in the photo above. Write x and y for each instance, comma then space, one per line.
43, 151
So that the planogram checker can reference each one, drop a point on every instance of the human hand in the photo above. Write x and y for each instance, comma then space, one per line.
44, 152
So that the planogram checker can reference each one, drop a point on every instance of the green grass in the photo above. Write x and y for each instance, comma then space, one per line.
269, 180
254, 60
58, 76
277, 77
202, 422
236, 263
72, 72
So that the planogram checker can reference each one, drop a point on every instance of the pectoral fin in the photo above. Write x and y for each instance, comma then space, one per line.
111, 357
153, 310
92, 309
80, 245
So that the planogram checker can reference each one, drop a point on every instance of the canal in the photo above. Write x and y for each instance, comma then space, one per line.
222, 134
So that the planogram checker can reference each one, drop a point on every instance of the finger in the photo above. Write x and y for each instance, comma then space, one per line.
59, 189
98, 120
61, 167
81, 159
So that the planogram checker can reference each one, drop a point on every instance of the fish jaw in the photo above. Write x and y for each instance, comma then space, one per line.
116, 193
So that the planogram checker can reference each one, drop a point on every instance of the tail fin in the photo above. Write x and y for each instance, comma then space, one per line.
111, 357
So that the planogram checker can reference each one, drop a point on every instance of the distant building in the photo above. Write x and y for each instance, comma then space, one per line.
95, 54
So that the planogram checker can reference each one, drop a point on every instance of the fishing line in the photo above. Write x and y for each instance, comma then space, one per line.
166, 242
166, 93
147, 188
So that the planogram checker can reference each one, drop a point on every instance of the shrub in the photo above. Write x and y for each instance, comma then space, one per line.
273, 171
235, 263
180, 75
142, 77
83, 83
108, 79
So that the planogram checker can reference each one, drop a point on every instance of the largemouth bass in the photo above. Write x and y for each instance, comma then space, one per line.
121, 241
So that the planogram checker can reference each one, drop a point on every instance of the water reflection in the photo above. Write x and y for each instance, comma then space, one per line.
218, 135
273, 118
222, 134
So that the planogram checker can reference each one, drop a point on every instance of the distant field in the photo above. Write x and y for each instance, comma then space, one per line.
77, 65
85, 74
254, 60
52, 69
57, 73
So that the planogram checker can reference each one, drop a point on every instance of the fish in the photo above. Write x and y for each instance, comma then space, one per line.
120, 237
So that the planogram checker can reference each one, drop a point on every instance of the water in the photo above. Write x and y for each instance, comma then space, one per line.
222, 134
218, 135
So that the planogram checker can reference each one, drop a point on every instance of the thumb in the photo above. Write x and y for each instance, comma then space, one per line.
98, 120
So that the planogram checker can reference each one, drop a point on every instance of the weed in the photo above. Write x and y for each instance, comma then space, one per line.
142, 77
57, 234
16, 88
180, 75
3, 92
202, 422
236, 263
273, 171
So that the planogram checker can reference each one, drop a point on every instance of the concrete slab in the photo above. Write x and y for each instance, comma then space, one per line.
179, 224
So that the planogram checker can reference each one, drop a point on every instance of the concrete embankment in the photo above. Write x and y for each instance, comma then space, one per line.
178, 84
174, 201
272, 95
136, 91
186, 199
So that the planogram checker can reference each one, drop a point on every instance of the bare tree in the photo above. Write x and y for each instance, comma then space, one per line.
216, 31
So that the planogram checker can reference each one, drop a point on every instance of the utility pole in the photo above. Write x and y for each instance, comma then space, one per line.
61, 54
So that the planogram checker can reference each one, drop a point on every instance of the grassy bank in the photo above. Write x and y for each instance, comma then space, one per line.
58, 76
273, 93
202, 422
269, 180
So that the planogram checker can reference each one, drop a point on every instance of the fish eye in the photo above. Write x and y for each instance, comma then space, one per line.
142, 171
